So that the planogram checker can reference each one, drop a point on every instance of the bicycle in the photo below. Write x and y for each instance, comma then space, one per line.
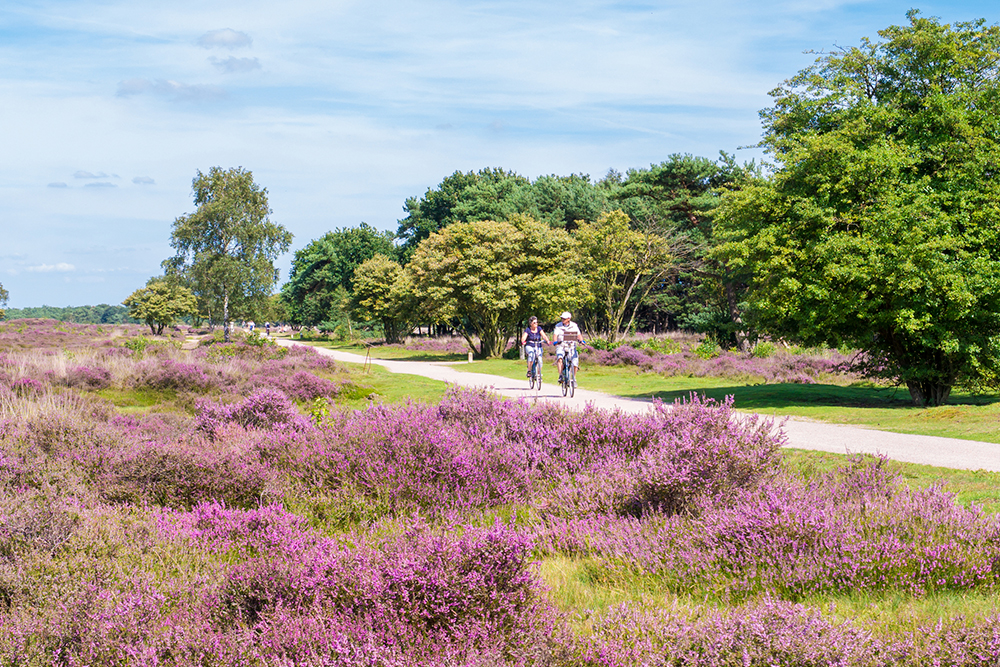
567, 378
535, 372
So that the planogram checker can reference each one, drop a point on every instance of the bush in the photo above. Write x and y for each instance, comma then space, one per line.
88, 377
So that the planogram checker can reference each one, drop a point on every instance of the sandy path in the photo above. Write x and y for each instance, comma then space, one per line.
841, 439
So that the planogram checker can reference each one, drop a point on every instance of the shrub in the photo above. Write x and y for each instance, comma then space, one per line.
88, 377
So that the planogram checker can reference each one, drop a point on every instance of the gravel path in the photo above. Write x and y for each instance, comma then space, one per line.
841, 439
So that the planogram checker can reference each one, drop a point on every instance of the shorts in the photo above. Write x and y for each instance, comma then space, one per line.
531, 351
561, 352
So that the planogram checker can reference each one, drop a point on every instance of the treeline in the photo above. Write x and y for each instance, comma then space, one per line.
99, 314
483, 250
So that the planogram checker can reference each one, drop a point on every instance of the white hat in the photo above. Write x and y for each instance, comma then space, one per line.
565, 315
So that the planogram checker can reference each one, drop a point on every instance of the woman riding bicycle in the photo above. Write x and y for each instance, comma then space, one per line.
532, 339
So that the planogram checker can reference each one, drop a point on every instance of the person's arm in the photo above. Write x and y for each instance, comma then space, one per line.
544, 337
524, 337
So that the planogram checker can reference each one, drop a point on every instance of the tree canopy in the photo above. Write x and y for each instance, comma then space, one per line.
383, 291
486, 277
160, 303
4, 295
226, 249
323, 271
497, 194
879, 227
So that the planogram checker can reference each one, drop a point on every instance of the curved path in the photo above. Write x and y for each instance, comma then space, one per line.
841, 439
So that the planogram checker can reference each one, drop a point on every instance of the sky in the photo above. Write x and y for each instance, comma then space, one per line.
343, 109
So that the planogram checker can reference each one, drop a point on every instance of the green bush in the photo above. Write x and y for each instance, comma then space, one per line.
707, 349
764, 349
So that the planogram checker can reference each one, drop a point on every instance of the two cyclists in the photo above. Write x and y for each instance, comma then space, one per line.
566, 335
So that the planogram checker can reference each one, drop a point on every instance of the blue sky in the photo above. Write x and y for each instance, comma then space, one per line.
343, 109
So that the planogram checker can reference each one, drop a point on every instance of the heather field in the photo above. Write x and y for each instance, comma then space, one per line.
222, 504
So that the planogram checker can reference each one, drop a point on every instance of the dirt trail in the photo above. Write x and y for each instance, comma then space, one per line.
841, 439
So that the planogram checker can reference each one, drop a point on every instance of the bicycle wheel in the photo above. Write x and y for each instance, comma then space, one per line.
538, 374
563, 381
572, 381
531, 375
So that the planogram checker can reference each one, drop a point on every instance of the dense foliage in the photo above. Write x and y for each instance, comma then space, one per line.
878, 229
161, 303
322, 273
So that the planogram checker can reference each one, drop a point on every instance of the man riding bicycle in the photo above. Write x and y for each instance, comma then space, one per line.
566, 335
532, 340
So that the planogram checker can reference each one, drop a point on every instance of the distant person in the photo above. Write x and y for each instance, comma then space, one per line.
267, 328
532, 340
251, 325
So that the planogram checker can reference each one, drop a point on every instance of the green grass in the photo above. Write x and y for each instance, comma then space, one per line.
967, 416
378, 384
383, 352
138, 400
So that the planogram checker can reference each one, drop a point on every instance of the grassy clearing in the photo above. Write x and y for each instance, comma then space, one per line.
378, 384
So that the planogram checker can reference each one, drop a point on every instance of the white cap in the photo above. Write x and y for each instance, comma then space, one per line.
565, 315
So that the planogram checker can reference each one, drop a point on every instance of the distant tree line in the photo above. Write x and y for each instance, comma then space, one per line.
99, 314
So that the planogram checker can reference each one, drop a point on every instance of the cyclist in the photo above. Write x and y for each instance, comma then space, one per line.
532, 339
566, 335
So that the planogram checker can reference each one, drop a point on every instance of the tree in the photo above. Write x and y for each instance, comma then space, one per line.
383, 291
227, 247
489, 194
680, 196
323, 271
4, 295
879, 227
486, 277
623, 265
160, 303
497, 194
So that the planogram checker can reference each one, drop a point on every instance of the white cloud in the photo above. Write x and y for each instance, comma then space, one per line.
143, 180
226, 38
87, 174
234, 65
172, 89
61, 267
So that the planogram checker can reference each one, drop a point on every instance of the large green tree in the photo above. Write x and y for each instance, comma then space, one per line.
383, 291
622, 265
4, 295
322, 273
226, 249
486, 277
160, 303
879, 228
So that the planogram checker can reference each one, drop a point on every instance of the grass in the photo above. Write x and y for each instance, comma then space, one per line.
967, 416
378, 384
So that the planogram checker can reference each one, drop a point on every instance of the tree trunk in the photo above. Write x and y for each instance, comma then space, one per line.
927, 393
225, 316
734, 316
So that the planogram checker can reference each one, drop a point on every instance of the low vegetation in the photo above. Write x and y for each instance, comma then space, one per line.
234, 516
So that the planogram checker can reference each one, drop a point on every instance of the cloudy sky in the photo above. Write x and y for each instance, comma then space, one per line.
342, 109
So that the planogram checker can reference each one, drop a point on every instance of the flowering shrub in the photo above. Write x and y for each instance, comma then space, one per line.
241, 533
264, 409
773, 367
169, 374
87, 377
